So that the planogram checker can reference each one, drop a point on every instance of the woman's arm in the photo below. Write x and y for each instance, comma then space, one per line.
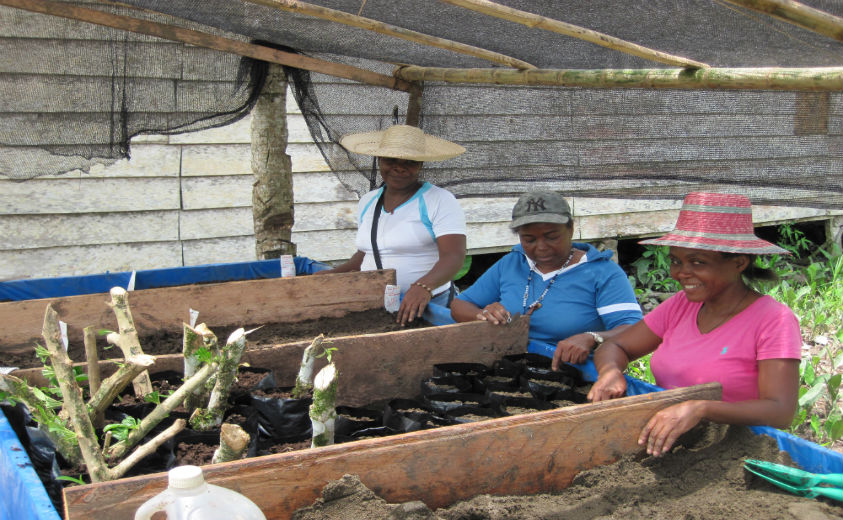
451, 258
576, 348
612, 357
353, 264
778, 388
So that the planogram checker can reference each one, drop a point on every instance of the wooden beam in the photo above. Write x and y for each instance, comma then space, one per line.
815, 79
548, 24
798, 14
518, 455
201, 39
344, 18
414, 105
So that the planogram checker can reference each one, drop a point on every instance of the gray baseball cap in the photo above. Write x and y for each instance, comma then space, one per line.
540, 206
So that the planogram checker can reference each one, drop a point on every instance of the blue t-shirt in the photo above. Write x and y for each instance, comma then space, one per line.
593, 294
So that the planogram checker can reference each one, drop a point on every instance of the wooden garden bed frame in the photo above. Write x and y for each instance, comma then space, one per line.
524, 454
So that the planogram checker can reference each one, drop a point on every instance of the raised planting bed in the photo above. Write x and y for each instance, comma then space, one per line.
229, 304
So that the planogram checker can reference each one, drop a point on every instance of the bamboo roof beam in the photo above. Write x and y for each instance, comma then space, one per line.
211, 41
814, 79
548, 24
798, 14
333, 15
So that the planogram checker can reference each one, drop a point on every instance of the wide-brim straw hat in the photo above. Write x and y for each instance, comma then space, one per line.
402, 142
716, 222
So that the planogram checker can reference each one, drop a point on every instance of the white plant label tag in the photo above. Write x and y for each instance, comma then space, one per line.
288, 266
63, 328
391, 298
194, 315
7, 370
131, 285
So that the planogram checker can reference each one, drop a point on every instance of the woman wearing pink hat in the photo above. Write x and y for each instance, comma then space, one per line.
717, 328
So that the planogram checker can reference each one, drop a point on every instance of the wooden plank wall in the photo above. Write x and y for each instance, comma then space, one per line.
186, 199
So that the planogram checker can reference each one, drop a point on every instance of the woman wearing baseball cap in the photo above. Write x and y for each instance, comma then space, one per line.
408, 225
717, 328
575, 295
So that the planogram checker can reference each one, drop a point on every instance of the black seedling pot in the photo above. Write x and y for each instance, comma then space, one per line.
443, 403
284, 420
352, 419
470, 414
476, 370
548, 386
520, 405
407, 415
446, 384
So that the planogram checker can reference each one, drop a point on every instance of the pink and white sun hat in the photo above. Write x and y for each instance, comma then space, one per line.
716, 222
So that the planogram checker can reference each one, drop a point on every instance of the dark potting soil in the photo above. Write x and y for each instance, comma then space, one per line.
363, 322
700, 479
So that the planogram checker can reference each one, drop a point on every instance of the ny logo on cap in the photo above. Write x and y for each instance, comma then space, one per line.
535, 204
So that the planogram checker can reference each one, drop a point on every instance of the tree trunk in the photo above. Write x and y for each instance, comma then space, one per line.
272, 193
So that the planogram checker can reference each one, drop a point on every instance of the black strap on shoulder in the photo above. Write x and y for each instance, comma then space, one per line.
375, 218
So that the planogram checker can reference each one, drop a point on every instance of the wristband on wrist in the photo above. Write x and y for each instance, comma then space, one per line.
423, 286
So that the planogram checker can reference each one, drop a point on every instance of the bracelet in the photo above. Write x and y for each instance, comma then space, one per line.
423, 286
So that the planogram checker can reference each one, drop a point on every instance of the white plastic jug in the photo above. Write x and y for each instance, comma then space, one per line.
189, 497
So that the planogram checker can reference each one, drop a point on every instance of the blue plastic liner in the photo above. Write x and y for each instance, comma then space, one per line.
809, 456
36, 288
22, 495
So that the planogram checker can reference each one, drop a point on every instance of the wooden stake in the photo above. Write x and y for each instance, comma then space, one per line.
798, 14
344, 18
72, 396
92, 359
112, 386
548, 24
233, 444
304, 379
323, 410
145, 449
127, 340
814, 79
211, 417
210, 41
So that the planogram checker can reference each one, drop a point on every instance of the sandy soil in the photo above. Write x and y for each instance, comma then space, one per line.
701, 480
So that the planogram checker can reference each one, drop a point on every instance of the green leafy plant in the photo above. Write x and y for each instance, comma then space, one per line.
155, 397
651, 272
121, 430
75, 480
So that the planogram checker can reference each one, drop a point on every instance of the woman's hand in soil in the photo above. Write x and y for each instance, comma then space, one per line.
609, 385
574, 349
413, 304
495, 313
667, 425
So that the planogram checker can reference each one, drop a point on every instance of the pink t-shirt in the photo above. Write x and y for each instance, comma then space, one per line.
729, 354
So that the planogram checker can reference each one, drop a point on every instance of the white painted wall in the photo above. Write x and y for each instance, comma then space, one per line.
186, 200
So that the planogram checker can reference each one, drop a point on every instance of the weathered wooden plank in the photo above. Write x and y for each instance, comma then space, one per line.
79, 260
240, 132
216, 223
218, 250
235, 159
149, 159
525, 454
86, 195
327, 246
232, 303
80, 229
408, 358
326, 216
231, 191
320, 187
26, 24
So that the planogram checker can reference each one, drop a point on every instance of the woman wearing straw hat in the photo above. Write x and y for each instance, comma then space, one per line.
419, 228
576, 296
717, 328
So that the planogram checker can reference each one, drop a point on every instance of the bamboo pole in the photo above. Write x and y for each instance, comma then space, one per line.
815, 79
549, 24
344, 18
210, 41
798, 14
